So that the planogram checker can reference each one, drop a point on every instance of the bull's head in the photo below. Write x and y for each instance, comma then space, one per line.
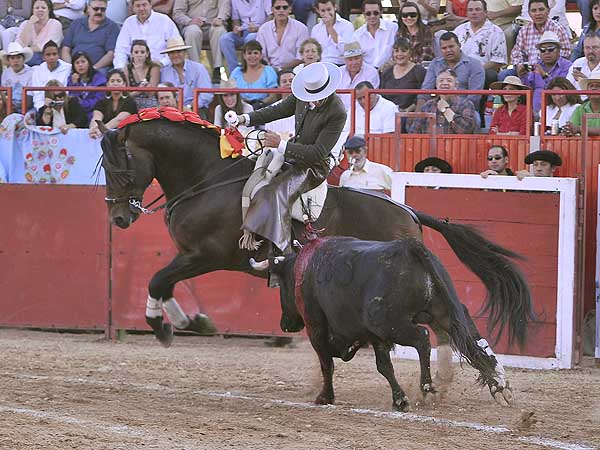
283, 267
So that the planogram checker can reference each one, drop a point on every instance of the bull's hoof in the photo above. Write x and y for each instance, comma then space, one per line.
401, 405
162, 331
201, 324
324, 400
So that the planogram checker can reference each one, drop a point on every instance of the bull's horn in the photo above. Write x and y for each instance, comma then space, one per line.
260, 266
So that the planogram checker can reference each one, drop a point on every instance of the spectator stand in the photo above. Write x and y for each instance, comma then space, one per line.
8, 94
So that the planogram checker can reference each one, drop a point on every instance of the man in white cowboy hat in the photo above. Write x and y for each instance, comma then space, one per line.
153, 27
185, 73
320, 116
591, 105
549, 66
356, 70
18, 74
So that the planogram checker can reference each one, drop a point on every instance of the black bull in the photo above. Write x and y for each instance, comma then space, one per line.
349, 292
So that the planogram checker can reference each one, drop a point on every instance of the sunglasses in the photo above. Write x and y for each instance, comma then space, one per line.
547, 49
496, 157
372, 13
412, 15
99, 8
280, 7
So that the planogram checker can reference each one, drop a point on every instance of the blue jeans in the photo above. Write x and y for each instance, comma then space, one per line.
230, 42
584, 8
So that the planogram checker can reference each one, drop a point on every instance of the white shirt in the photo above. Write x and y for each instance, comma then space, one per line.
155, 31
557, 8
280, 54
582, 63
378, 49
246, 11
41, 76
366, 73
382, 118
565, 114
72, 11
333, 52
372, 176
488, 44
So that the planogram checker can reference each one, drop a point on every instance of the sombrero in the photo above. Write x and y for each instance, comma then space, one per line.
544, 155
316, 81
441, 164
14, 48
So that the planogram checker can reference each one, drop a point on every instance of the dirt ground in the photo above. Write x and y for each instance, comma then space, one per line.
79, 391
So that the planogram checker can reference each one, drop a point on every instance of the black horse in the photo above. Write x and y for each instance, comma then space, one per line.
203, 215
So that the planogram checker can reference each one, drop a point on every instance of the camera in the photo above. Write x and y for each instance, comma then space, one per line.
55, 103
528, 67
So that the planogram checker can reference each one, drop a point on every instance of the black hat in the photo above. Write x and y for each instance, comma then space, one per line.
544, 155
355, 142
444, 166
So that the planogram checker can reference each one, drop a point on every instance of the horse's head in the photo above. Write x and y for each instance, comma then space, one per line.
129, 171
283, 267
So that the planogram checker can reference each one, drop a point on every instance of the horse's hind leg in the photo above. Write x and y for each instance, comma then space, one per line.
385, 368
160, 295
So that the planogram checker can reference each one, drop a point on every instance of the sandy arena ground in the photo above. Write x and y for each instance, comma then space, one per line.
79, 391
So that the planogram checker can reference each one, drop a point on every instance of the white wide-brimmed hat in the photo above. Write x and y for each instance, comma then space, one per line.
175, 44
594, 77
316, 81
14, 48
549, 37
510, 80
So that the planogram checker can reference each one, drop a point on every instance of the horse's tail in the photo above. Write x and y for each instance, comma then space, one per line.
455, 323
508, 299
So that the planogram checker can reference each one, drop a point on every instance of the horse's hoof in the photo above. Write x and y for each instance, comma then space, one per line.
323, 400
430, 394
201, 324
403, 406
165, 336
503, 395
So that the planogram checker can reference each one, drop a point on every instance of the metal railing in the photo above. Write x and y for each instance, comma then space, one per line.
8, 103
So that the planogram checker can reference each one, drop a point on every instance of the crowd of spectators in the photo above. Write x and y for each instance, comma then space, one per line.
475, 45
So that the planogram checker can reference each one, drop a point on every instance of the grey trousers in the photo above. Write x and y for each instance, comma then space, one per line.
194, 36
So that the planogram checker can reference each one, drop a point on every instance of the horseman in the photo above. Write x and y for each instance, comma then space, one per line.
319, 119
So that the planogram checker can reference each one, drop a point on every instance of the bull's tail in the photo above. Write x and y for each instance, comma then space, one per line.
455, 324
508, 297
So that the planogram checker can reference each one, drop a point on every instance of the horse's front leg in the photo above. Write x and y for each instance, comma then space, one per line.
160, 296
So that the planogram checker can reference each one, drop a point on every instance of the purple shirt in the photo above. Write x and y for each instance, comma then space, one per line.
537, 83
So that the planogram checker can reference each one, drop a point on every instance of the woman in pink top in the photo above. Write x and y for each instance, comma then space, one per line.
41, 27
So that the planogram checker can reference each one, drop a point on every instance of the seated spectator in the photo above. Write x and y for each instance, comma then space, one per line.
497, 161
60, 111
163, 6
142, 72
284, 127
310, 52
196, 18
558, 12
560, 106
511, 117
590, 28
584, 66
404, 74
153, 27
52, 68
230, 101
18, 74
503, 13
96, 35
429, 9
526, 49
166, 98
85, 75
376, 36
382, 115
591, 105
543, 164
356, 70
454, 114
332, 32
3, 106
433, 165
66, 11
483, 40
281, 37
549, 66
254, 74
12, 14
247, 17
114, 108
187, 74
39, 29
362, 173
420, 36
468, 71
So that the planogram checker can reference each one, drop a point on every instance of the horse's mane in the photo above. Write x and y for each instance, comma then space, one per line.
113, 168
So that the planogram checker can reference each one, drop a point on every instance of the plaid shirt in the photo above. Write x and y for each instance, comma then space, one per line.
464, 121
525, 49
422, 49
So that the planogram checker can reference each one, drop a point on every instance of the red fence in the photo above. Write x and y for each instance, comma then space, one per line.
8, 103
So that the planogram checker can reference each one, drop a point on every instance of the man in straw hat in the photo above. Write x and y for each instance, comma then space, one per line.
549, 66
591, 105
320, 117
356, 70
18, 74
185, 73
